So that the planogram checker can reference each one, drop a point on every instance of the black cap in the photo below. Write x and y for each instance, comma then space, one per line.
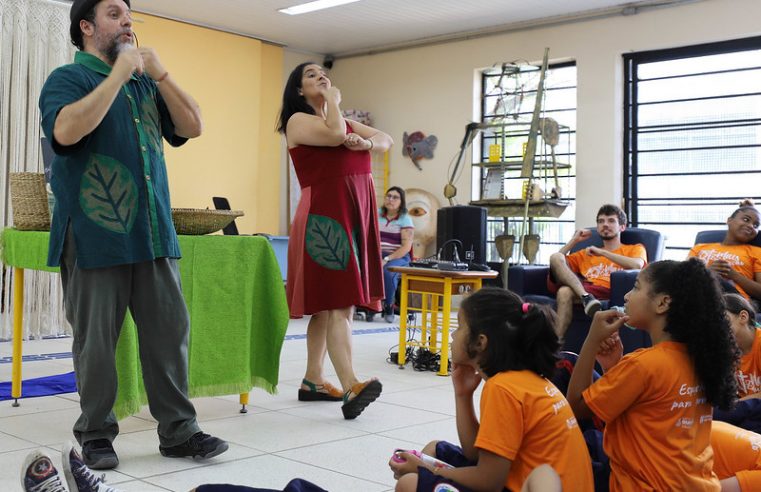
79, 9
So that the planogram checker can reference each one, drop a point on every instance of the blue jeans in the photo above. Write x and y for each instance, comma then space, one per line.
391, 279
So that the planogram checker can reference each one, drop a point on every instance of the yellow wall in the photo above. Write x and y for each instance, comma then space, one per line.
237, 82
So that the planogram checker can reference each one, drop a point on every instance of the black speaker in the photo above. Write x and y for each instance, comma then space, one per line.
465, 223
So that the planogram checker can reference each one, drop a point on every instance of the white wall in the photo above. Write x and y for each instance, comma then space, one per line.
432, 88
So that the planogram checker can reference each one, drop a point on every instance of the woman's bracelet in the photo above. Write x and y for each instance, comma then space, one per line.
371, 144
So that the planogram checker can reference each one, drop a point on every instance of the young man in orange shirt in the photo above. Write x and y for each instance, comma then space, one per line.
584, 276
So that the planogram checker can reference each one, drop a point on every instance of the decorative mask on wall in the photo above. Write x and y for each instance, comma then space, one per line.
417, 146
423, 208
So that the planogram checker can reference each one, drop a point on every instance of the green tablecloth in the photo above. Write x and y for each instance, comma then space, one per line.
238, 314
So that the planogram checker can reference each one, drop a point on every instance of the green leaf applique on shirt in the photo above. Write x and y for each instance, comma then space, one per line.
150, 115
108, 194
327, 242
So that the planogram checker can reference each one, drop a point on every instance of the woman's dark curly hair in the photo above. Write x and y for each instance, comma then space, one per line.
516, 340
696, 318
293, 102
402, 201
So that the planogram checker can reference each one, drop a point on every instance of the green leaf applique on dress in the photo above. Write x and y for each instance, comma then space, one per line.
108, 194
150, 115
355, 247
327, 242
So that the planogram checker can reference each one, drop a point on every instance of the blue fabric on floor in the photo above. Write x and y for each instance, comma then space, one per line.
44, 386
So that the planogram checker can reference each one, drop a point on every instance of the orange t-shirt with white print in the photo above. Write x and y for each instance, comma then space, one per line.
597, 269
737, 453
748, 375
527, 420
743, 258
658, 422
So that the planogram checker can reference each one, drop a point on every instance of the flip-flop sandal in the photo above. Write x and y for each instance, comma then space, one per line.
319, 392
365, 393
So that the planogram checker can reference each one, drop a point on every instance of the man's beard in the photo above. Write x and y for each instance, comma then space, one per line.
608, 236
110, 47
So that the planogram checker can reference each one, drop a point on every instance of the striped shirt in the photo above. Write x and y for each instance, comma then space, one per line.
391, 231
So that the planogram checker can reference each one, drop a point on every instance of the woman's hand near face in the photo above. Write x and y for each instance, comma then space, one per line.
332, 94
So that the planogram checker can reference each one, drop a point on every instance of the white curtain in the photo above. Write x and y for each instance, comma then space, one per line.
33, 42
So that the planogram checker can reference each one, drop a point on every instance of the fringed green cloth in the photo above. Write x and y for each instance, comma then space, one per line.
238, 314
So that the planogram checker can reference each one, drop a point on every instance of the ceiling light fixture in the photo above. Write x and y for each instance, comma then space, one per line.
312, 6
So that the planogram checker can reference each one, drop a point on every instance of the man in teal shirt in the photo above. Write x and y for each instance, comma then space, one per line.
112, 234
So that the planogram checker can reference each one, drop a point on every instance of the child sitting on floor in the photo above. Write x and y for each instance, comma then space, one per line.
525, 420
657, 401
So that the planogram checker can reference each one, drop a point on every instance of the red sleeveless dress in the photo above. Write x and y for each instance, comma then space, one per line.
334, 256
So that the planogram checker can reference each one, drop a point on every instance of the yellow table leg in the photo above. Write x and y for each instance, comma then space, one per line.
243, 402
432, 337
18, 319
424, 317
402, 356
447, 312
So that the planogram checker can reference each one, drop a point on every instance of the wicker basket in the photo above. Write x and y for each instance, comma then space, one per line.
30, 202
199, 221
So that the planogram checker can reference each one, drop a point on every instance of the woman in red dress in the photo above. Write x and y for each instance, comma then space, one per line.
334, 245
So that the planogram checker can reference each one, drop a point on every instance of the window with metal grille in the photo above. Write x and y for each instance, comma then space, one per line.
692, 141
559, 104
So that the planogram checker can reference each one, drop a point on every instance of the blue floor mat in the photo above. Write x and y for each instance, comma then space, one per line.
44, 386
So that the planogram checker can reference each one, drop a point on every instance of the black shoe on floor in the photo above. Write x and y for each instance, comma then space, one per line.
591, 305
99, 454
199, 445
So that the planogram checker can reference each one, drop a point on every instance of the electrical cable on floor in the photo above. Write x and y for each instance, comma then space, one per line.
421, 358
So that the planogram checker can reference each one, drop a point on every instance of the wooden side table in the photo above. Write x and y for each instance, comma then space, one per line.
436, 288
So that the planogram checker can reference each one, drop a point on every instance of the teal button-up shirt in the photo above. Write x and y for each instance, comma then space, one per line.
111, 186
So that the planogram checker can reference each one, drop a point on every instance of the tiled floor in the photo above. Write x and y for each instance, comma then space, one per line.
279, 438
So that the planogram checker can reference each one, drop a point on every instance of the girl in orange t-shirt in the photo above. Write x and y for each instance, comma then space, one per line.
657, 402
525, 421
737, 262
742, 318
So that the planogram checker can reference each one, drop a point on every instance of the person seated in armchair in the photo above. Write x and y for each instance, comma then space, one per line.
396, 233
737, 263
584, 276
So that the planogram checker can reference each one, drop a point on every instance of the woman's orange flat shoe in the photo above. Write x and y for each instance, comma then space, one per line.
319, 392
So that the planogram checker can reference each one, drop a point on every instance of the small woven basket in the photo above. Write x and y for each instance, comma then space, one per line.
29, 200
199, 221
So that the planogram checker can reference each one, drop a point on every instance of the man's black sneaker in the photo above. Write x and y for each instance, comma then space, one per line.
591, 305
199, 445
99, 454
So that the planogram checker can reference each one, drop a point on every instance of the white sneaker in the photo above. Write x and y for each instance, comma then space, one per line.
39, 475
78, 476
